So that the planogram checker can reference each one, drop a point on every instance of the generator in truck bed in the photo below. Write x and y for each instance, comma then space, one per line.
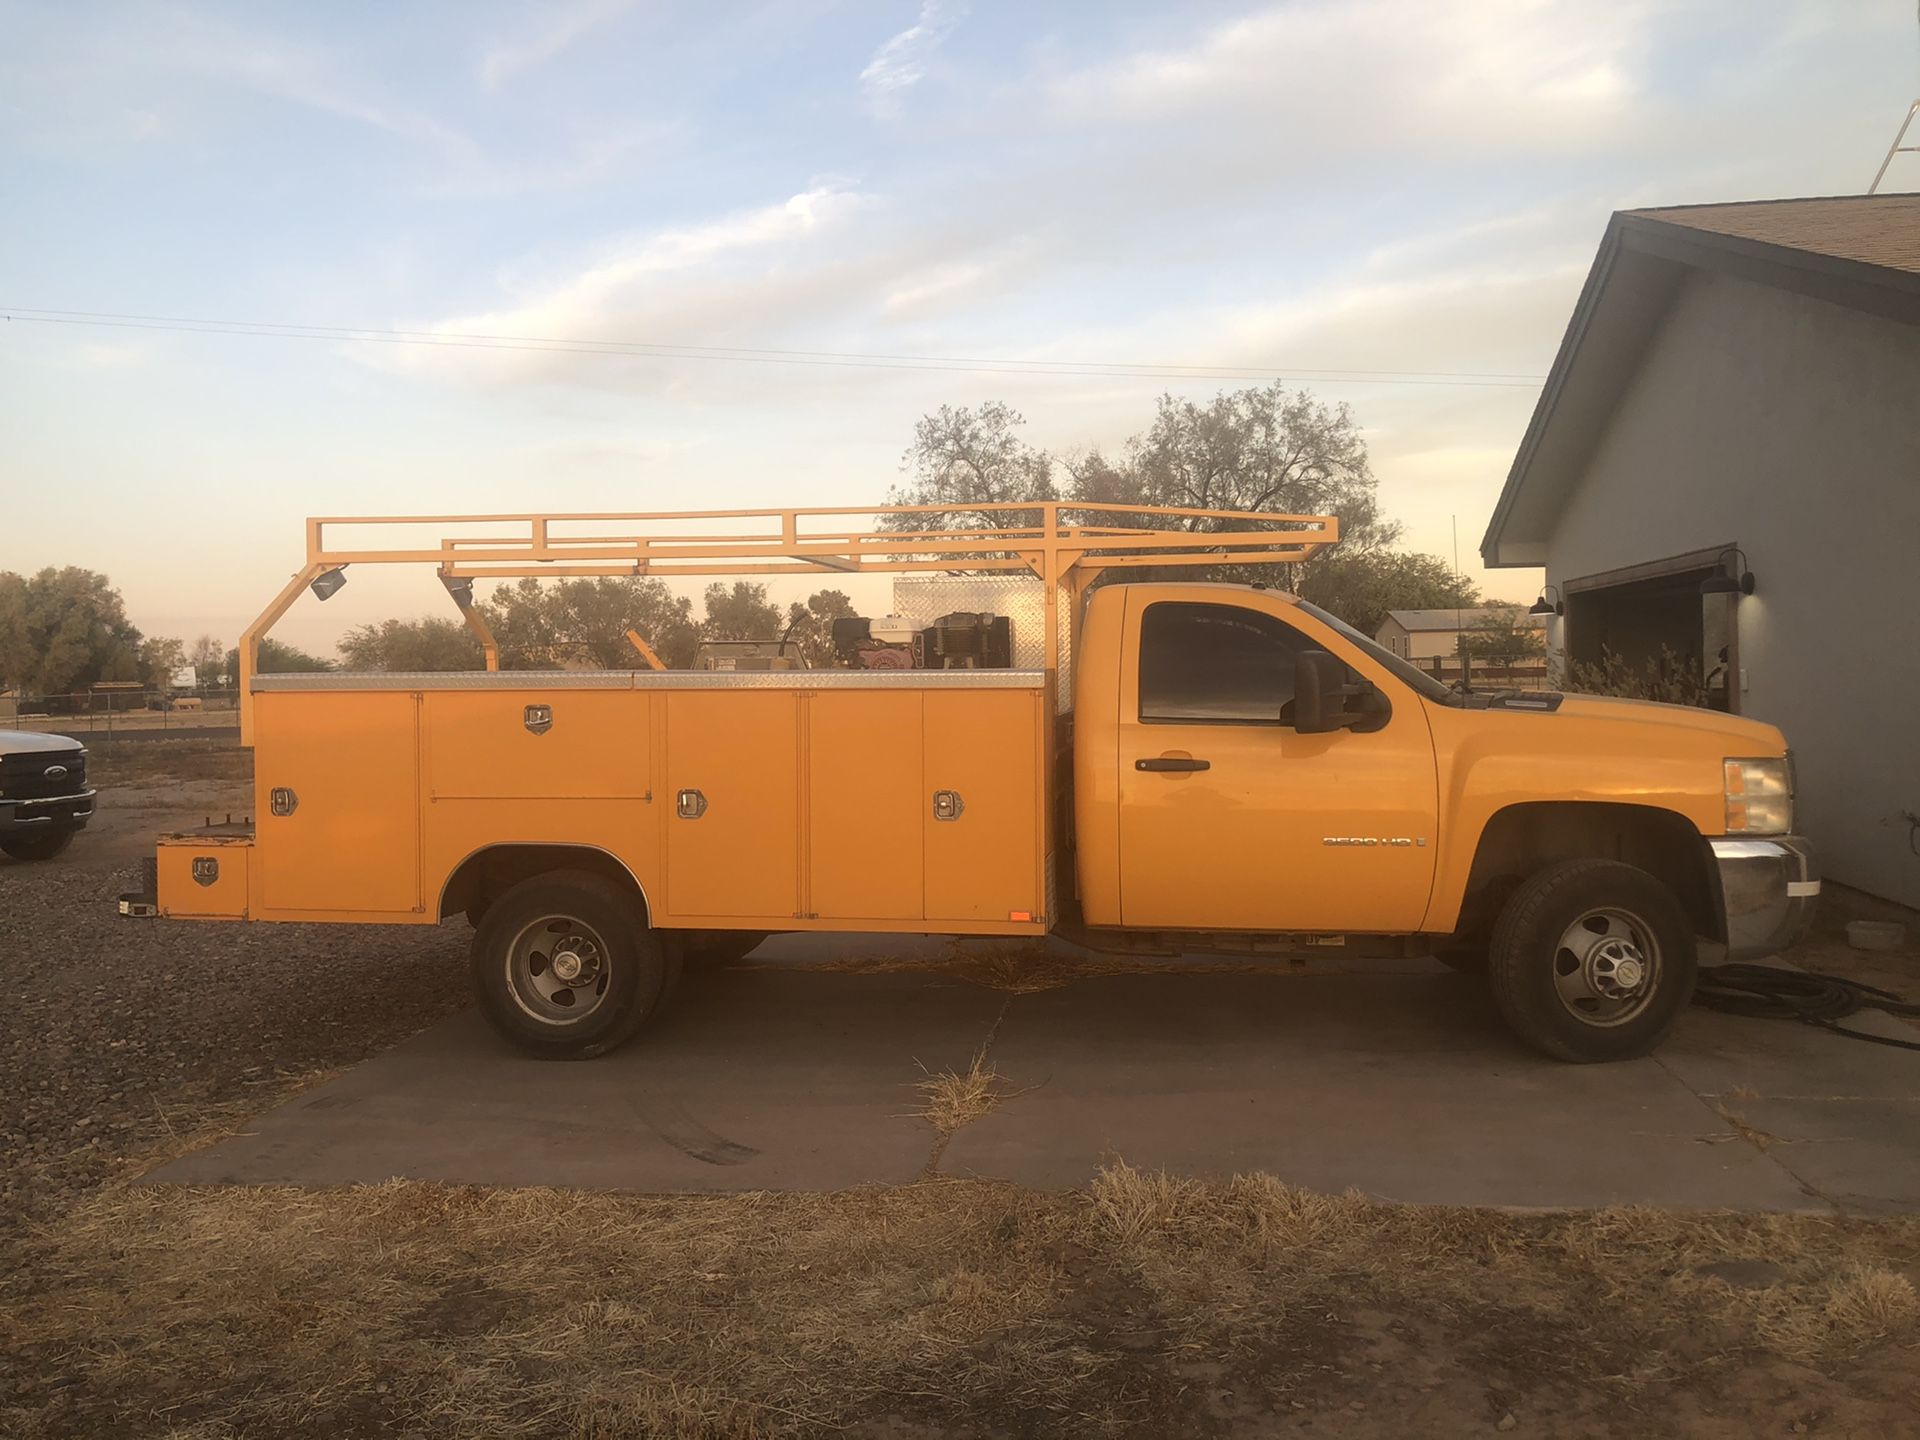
1237, 770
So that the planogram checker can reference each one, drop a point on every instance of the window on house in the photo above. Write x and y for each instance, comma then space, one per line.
1216, 663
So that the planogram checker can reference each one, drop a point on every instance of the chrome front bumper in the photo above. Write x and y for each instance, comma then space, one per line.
1768, 886
52, 812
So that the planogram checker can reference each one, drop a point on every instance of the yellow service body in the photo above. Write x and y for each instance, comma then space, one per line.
816, 796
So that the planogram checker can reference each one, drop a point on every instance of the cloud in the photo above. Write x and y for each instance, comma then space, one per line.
295, 74
929, 290
1340, 76
505, 61
740, 276
901, 63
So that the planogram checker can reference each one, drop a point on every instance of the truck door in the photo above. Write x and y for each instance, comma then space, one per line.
1232, 820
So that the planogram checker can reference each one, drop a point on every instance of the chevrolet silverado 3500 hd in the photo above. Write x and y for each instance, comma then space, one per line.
1163, 765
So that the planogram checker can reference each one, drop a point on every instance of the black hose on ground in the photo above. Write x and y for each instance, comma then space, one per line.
1768, 992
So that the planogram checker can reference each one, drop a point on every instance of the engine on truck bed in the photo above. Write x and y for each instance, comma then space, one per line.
963, 640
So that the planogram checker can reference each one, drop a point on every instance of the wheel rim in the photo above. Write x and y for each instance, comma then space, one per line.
558, 970
1606, 967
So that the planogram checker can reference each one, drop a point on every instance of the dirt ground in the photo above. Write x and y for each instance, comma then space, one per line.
1144, 1305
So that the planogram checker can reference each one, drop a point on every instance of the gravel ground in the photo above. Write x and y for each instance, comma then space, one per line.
117, 1036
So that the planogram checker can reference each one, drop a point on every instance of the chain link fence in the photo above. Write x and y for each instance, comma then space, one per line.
106, 710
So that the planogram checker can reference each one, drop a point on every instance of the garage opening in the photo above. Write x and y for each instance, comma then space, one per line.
1652, 619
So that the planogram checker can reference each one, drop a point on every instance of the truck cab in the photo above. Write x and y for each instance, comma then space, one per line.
1245, 761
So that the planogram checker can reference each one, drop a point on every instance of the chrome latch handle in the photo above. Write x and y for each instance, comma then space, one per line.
947, 805
689, 804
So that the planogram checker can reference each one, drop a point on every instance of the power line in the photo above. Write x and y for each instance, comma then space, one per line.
640, 349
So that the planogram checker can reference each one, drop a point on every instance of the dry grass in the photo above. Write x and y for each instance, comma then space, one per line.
144, 762
954, 1100
460, 1311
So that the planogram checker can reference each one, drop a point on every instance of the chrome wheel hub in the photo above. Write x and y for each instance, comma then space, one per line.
1606, 967
557, 970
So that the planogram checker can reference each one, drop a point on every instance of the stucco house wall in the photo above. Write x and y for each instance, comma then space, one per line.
1393, 635
1425, 644
1789, 426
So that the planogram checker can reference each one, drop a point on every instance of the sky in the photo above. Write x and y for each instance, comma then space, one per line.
1300, 189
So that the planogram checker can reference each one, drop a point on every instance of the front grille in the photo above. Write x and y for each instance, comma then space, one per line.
25, 777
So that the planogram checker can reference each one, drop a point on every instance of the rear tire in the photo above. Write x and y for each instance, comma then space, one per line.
1592, 960
565, 967
39, 846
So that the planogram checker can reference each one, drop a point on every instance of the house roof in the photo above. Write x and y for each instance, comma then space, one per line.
1414, 621
1871, 229
1860, 251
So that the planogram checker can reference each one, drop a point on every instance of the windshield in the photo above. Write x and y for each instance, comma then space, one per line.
1416, 679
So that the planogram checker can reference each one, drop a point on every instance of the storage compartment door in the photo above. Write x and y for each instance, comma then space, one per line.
865, 801
733, 803
537, 744
983, 748
203, 879
346, 833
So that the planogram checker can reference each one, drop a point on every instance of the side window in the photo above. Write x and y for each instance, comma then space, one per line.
1216, 663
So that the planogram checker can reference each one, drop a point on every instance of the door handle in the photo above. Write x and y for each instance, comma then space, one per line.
1170, 762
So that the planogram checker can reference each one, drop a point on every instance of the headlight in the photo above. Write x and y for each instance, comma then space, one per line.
1759, 796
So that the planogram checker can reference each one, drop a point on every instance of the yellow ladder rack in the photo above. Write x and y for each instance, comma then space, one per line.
1035, 537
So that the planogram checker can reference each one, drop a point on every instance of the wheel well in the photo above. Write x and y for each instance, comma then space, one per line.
1521, 839
489, 873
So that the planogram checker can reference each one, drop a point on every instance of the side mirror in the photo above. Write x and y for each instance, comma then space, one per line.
1320, 694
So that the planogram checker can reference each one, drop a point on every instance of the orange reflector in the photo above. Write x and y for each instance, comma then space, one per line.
1020, 915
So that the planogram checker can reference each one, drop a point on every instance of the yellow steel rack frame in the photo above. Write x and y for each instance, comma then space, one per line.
1029, 537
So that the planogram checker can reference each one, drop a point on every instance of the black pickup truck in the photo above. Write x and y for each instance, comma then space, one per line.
44, 797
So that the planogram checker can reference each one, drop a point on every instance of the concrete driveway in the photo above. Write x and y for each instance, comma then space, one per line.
1398, 1081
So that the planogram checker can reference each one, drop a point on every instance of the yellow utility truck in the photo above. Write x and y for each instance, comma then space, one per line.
1027, 745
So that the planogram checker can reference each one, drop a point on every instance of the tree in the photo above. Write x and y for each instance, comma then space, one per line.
276, 659
160, 657
64, 630
740, 613
963, 458
811, 625
1361, 586
430, 643
1262, 448
1502, 636
208, 658
586, 621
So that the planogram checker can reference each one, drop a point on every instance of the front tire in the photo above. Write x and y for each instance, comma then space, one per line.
1592, 960
43, 846
565, 967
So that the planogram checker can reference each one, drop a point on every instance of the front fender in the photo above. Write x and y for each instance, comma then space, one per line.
1491, 761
